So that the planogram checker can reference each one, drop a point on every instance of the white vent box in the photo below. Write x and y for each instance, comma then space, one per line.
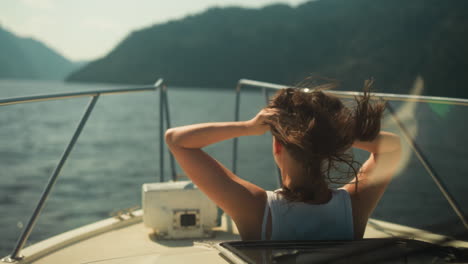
176, 210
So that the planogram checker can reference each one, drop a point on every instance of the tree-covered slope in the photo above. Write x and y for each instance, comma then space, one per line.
392, 41
26, 58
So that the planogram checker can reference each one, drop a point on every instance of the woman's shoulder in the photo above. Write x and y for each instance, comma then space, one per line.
276, 196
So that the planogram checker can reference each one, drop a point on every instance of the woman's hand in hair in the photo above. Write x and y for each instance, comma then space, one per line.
257, 125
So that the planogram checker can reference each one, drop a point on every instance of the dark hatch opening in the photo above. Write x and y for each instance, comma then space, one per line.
188, 220
385, 250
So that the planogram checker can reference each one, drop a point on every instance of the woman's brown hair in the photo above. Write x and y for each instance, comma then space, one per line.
318, 130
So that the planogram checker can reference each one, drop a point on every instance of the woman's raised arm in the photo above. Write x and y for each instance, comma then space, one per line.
384, 142
373, 177
201, 135
242, 200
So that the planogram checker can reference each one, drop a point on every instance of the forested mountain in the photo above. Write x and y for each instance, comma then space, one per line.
350, 40
26, 58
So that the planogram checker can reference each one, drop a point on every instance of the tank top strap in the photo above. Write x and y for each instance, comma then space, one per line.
271, 196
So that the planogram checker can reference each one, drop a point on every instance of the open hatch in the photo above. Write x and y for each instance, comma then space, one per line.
377, 250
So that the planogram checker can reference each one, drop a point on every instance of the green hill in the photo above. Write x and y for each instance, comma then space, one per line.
26, 58
392, 41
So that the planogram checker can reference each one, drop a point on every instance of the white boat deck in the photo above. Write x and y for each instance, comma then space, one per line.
129, 241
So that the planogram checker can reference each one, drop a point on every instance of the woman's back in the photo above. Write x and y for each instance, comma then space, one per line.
303, 221
313, 133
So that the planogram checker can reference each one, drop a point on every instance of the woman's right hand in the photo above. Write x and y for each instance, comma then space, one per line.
257, 125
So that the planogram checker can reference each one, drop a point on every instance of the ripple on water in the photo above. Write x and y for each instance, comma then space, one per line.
16, 188
7, 199
10, 157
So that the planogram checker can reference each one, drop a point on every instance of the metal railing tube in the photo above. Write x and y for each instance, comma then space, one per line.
236, 118
69, 95
161, 135
158, 83
278, 172
386, 96
429, 168
168, 125
37, 211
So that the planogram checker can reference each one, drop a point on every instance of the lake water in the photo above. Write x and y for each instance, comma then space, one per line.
118, 152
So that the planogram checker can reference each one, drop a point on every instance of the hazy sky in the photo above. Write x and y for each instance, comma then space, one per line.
88, 29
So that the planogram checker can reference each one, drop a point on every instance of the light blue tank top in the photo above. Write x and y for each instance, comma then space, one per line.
303, 221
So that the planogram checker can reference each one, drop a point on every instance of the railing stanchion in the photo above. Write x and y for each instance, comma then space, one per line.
37, 211
161, 136
168, 125
267, 100
443, 189
236, 118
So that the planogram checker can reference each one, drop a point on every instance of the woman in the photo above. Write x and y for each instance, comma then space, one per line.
312, 135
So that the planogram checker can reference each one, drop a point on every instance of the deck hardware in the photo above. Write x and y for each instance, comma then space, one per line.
129, 212
11, 260
117, 215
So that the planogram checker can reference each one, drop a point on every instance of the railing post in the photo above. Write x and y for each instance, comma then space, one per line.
168, 125
161, 135
443, 189
236, 118
15, 256
266, 94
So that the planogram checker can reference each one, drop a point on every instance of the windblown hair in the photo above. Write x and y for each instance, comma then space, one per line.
318, 130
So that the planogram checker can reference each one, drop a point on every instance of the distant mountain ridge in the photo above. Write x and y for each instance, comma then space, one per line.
26, 58
392, 41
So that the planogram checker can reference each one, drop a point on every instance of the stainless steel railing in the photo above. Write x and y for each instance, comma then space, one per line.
347, 94
406, 135
265, 90
163, 116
